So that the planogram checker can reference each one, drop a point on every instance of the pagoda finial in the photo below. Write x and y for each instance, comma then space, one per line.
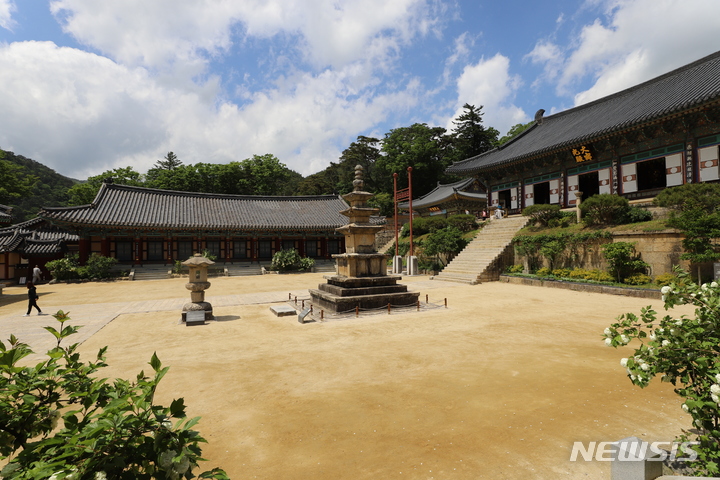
358, 182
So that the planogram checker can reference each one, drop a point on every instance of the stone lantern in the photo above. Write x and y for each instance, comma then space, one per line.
197, 284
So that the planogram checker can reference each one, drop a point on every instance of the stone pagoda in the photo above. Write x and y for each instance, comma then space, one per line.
361, 279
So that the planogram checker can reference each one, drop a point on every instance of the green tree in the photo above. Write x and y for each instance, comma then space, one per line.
169, 162
14, 183
444, 244
269, 176
109, 429
695, 210
514, 131
470, 135
84, 193
428, 150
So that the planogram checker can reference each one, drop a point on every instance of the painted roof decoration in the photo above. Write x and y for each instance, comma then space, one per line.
690, 87
445, 193
122, 206
35, 238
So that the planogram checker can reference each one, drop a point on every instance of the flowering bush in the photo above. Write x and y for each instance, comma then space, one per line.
58, 420
684, 351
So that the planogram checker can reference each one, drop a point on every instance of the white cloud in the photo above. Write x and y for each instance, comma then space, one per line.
6, 9
63, 106
490, 84
163, 32
641, 39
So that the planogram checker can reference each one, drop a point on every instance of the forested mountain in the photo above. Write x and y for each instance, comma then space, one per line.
29, 185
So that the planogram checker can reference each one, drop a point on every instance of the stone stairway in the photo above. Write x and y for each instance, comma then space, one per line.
482, 259
324, 266
243, 269
151, 272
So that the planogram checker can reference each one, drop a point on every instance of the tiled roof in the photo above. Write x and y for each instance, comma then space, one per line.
34, 238
693, 85
122, 206
442, 193
5, 214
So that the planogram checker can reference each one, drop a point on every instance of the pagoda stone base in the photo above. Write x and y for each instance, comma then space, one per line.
198, 306
342, 294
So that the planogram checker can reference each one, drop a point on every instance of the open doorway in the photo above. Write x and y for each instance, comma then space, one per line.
504, 198
589, 184
541, 193
651, 174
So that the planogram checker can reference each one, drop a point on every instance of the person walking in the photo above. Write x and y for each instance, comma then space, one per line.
37, 275
32, 299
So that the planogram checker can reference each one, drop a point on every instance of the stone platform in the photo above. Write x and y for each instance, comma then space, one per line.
342, 294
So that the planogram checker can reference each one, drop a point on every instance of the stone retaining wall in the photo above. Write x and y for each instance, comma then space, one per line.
661, 250
583, 287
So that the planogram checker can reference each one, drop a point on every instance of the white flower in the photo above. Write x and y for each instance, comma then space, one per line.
660, 331
166, 458
715, 398
624, 339
653, 337
100, 476
645, 367
665, 290
685, 408
623, 362
607, 332
632, 377
715, 388
183, 466
608, 342
704, 286
665, 343
717, 377
714, 285
678, 322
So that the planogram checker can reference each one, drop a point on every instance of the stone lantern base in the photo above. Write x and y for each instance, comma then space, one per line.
198, 306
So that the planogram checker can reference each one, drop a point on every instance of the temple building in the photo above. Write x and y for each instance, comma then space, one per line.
661, 133
149, 226
466, 195
30, 243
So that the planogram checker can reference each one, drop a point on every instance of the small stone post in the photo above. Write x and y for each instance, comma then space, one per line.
197, 284
632, 459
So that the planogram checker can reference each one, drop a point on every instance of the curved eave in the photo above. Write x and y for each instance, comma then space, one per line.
592, 137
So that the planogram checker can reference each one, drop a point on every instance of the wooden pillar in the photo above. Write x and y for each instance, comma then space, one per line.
6, 266
105, 247
84, 246
137, 250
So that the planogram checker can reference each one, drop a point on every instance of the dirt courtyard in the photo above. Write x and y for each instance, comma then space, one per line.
497, 386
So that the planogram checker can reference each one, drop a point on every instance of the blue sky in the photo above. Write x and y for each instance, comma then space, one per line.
86, 86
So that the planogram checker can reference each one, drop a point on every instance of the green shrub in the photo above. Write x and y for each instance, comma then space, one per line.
638, 279
464, 223
665, 279
99, 266
623, 260
542, 213
561, 272
290, 260
64, 268
579, 273
543, 272
515, 269
637, 214
599, 276
604, 209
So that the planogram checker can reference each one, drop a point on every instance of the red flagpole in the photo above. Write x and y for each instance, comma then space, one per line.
409, 170
395, 175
